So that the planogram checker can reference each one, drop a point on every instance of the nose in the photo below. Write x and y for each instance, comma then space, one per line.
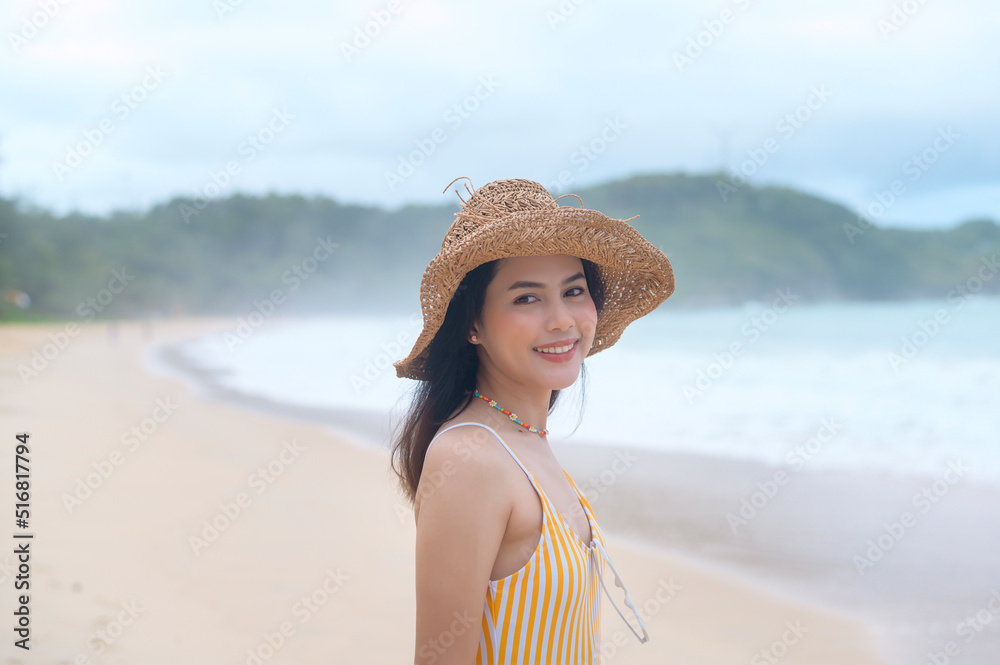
560, 317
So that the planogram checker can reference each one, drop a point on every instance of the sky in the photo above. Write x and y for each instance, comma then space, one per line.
887, 107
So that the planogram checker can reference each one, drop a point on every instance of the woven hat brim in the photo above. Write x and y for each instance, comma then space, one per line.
636, 275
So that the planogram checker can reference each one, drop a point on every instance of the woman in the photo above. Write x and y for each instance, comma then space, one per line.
508, 551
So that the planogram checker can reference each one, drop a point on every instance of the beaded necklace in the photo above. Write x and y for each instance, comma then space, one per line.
512, 416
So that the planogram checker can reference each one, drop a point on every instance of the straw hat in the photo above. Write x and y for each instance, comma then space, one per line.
517, 217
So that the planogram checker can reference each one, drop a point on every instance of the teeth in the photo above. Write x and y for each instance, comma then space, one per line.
556, 349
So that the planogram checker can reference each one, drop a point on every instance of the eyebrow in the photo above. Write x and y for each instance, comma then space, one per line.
536, 285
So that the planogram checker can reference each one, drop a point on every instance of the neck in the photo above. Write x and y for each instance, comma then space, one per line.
531, 405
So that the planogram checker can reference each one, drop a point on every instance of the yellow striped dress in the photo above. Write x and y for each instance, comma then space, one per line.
549, 610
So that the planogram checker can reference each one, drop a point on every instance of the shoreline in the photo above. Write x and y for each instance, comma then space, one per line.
129, 539
804, 545
362, 426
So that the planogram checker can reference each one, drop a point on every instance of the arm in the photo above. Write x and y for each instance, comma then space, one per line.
461, 515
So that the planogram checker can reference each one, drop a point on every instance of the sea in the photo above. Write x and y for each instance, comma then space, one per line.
899, 397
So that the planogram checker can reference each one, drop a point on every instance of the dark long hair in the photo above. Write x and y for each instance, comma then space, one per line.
452, 365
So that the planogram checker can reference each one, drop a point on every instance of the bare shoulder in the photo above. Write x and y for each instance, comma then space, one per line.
462, 467
470, 441
464, 506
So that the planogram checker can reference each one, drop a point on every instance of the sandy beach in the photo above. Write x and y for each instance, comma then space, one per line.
173, 527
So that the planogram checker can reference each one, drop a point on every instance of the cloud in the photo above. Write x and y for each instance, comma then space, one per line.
559, 82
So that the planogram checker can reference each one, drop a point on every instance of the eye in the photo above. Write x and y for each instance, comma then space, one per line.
569, 293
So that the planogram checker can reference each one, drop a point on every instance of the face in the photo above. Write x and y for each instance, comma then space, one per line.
537, 301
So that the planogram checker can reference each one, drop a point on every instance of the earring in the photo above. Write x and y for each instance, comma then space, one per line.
473, 338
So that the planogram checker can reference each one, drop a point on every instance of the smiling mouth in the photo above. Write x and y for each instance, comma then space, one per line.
556, 350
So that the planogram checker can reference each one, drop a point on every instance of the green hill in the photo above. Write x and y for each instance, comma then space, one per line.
231, 253
760, 239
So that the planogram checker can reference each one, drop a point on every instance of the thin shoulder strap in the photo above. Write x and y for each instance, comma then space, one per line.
523, 468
